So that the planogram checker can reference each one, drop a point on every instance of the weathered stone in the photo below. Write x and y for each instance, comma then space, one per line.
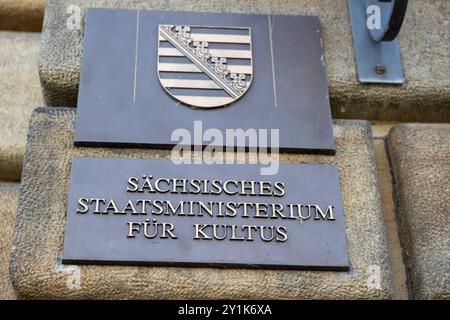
424, 44
420, 156
380, 129
384, 177
35, 265
9, 197
20, 93
22, 15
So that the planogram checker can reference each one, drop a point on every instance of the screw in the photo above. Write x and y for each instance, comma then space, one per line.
380, 69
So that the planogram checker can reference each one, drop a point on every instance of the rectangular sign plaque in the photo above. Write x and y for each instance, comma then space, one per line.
154, 212
145, 74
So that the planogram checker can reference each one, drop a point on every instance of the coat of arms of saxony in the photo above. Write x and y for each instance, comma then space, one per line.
204, 66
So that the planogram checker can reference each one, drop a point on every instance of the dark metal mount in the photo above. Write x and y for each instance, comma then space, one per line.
376, 49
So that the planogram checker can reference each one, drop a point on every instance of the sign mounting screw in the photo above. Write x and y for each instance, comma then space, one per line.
380, 69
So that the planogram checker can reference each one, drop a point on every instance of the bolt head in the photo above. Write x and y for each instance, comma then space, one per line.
380, 69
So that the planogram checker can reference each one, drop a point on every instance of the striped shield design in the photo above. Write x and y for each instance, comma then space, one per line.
204, 66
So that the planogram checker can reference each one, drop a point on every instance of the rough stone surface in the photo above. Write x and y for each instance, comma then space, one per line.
424, 44
420, 156
9, 197
380, 129
38, 240
22, 15
20, 92
384, 177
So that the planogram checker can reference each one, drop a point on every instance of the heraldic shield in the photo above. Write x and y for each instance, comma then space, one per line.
204, 66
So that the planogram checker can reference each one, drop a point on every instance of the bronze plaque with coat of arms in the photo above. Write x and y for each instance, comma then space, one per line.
145, 74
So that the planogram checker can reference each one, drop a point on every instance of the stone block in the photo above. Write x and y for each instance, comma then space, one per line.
9, 197
20, 94
35, 263
424, 43
385, 186
420, 157
22, 15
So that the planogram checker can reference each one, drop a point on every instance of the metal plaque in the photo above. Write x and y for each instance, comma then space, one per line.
145, 74
154, 212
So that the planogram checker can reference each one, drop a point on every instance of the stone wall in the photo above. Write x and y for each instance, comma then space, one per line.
420, 155
22, 15
9, 196
20, 93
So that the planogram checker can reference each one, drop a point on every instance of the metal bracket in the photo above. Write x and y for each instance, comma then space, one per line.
377, 53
